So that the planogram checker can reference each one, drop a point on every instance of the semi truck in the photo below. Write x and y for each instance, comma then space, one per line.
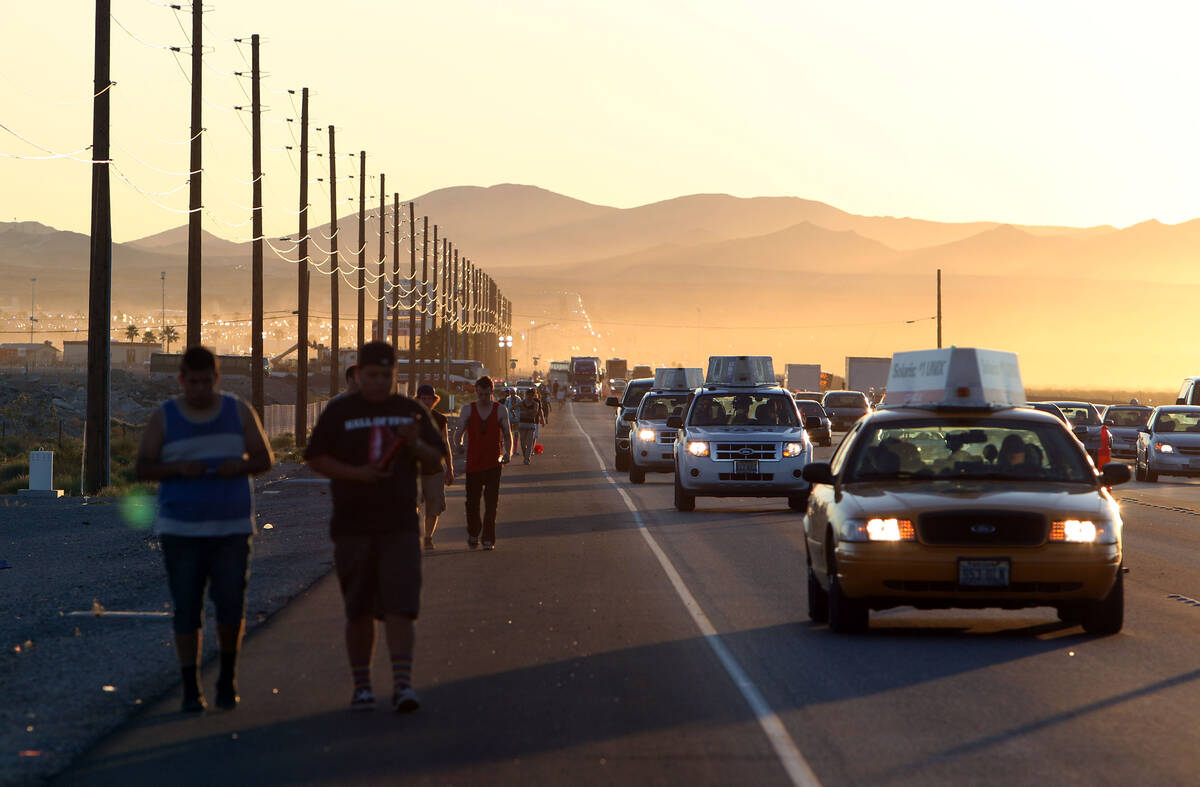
803, 377
585, 378
868, 375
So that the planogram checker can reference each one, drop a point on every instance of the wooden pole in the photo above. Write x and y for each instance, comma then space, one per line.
302, 282
412, 302
194, 180
256, 255
335, 383
394, 301
362, 247
381, 282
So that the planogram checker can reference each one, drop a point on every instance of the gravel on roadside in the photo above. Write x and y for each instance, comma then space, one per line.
67, 680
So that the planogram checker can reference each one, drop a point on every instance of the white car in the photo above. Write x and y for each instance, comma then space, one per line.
743, 438
651, 441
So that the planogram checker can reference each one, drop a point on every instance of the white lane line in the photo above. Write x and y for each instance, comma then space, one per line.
789, 754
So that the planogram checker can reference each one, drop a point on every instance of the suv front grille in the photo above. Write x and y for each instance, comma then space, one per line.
982, 528
760, 451
666, 438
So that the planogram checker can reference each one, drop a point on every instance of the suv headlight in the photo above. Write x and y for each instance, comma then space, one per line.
697, 448
645, 435
792, 449
1165, 448
878, 529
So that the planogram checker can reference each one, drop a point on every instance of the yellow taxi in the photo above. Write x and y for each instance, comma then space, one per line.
954, 495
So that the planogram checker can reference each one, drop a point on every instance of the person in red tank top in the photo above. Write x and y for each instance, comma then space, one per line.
488, 436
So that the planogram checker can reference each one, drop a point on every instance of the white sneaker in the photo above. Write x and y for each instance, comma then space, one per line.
405, 700
363, 699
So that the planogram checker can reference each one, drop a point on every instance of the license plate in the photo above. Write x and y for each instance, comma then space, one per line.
983, 573
745, 466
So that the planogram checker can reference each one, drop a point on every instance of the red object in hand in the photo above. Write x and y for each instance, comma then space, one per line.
390, 453
538, 448
1104, 455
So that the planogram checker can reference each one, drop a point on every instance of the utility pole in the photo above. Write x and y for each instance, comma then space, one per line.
362, 247
163, 314
96, 428
32, 306
381, 282
194, 181
256, 265
939, 308
430, 353
394, 300
424, 285
334, 275
301, 428
447, 320
412, 302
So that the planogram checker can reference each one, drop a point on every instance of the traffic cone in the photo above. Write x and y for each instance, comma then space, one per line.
1104, 455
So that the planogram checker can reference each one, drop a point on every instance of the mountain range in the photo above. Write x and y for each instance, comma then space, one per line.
677, 279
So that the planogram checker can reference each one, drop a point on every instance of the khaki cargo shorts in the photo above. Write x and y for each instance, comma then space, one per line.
433, 492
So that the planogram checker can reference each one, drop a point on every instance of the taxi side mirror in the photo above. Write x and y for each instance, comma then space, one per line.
1115, 473
812, 422
822, 473
675, 422
629, 416
612, 401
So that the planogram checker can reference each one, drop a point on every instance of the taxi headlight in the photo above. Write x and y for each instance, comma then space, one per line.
698, 448
878, 529
1081, 531
1165, 448
792, 449
646, 434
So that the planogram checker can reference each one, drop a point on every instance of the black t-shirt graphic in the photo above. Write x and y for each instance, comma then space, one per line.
359, 432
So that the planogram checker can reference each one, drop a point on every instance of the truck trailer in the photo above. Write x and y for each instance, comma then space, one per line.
868, 375
803, 377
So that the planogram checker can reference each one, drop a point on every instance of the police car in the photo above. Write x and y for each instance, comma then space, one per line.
651, 441
954, 495
741, 436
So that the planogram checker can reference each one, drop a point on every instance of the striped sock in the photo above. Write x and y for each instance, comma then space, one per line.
362, 676
401, 672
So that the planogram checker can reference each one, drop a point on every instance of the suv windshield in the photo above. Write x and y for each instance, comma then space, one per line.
745, 409
846, 400
635, 391
1176, 421
1131, 416
660, 408
985, 449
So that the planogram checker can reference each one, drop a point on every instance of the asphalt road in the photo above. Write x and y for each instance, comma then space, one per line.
606, 641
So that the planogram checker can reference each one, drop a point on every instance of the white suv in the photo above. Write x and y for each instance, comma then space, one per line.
742, 436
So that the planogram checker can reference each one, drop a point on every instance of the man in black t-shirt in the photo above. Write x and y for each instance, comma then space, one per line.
370, 444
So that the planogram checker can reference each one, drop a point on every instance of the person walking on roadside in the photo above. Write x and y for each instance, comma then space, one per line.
532, 416
202, 447
370, 444
434, 480
484, 425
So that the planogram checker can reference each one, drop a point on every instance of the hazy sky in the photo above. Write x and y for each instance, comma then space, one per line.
1032, 112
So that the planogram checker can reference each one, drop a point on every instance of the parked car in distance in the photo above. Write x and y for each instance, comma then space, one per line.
1124, 421
822, 432
1169, 444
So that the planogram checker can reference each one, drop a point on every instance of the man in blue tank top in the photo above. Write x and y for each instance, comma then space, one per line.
202, 447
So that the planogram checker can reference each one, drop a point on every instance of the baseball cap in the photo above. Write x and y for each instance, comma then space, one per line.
376, 354
426, 390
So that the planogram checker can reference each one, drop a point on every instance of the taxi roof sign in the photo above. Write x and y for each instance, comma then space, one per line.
740, 370
678, 377
955, 377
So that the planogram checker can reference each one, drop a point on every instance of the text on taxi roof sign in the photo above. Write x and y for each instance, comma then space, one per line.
962, 376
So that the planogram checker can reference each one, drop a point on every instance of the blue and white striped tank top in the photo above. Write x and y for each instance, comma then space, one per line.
208, 505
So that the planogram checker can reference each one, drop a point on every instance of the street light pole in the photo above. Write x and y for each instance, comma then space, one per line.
163, 330
32, 310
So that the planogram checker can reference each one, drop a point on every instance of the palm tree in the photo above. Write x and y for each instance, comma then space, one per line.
169, 335
131, 332
149, 338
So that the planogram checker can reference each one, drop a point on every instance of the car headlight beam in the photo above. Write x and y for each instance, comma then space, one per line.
645, 435
1165, 448
792, 449
1075, 531
697, 448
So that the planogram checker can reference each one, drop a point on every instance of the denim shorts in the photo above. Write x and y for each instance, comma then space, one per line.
379, 573
220, 564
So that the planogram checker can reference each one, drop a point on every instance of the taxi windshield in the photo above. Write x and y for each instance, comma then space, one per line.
660, 408
1177, 421
985, 450
745, 409
1127, 417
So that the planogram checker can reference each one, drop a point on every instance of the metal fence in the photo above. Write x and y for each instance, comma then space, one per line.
279, 419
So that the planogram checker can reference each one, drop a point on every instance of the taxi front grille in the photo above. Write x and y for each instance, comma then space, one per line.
760, 451
982, 528
746, 476
918, 586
